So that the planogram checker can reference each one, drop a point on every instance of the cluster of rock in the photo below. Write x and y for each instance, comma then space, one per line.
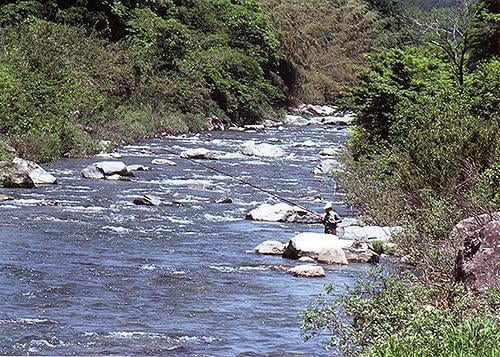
20, 173
327, 120
320, 248
282, 212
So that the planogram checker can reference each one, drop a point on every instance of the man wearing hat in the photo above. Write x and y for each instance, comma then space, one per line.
331, 219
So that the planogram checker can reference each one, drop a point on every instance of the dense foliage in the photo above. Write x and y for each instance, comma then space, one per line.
388, 316
74, 72
323, 41
424, 155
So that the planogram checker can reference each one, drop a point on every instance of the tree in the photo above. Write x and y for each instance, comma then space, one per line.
450, 30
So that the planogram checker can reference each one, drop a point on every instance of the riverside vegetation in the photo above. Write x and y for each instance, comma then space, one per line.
73, 73
424, 155
424, 147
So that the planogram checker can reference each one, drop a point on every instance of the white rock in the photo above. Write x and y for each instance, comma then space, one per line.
282, 212
335, 120
163, 162
332, 256
296, 120
112, 155
201, 153
307, 271
270, 247
305, 144
262, 150
368, 232
9, 198
92, 172
310, 245
137, 168
113, 168
254, 127
327, 167
329, 152
306, 260
36, 173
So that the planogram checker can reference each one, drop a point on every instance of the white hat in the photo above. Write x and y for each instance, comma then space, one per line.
328, 206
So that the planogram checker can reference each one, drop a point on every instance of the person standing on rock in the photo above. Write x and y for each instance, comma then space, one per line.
331, 219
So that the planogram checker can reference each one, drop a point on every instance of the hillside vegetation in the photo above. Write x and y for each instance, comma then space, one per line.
73, 73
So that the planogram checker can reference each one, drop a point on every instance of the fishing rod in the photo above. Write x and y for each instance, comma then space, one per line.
240, 180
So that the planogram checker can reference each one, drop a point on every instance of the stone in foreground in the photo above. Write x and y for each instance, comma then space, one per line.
270, 247
307, 271
282, 212
20, 173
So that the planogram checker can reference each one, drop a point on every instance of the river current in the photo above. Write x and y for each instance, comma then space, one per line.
84, 271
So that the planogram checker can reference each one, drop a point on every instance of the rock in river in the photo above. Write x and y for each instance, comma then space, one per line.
327, 167
332, 256
312, 244
5, 198
20, 173
148, 200
201, 153
270, 247
282, 212
106, 169
368, 232
307, 271
163, 162
262, 150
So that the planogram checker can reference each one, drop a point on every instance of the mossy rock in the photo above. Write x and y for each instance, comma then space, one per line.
382, 247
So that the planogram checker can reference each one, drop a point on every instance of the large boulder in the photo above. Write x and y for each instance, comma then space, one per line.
270, 247
307, 271
282, 212
20, 173
327, 167
478, 262
200, 154
106, 170
311, 245
262, 150
368, 232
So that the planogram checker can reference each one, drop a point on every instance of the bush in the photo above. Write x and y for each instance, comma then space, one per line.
395, 316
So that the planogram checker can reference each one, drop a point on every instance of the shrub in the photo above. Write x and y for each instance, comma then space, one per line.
395, 316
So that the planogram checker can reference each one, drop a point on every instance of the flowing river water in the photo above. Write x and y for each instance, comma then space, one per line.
84, 271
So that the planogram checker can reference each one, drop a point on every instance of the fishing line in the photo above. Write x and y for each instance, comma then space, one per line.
240, 180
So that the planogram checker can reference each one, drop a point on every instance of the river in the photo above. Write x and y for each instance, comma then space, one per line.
85, 271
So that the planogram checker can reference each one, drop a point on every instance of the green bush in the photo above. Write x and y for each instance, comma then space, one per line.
394, 316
